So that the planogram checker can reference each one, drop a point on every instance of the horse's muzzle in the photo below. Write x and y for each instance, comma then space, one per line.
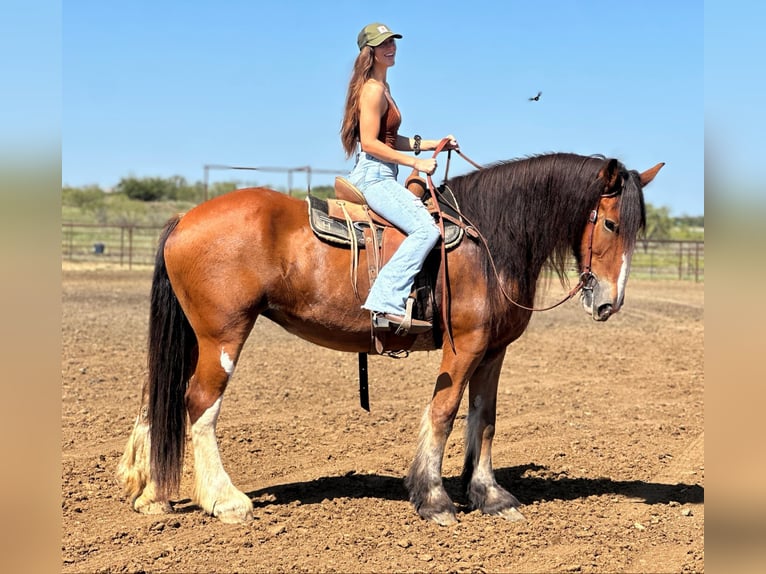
596, 302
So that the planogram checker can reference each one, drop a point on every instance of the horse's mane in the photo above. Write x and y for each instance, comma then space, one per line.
533, 212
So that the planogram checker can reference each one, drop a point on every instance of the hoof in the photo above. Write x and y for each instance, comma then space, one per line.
442, 514
237, 510
511, 515
234, 516
444, 518
152, 507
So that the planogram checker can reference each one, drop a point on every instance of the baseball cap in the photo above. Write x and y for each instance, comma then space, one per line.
374, 35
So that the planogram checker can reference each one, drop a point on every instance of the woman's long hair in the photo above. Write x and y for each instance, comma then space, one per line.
349, 131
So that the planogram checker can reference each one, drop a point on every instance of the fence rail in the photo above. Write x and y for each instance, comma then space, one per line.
129, 245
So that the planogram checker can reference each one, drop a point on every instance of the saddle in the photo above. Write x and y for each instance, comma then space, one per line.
343, 220
348, 222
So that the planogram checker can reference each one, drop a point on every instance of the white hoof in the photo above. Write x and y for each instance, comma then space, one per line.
511, 515
236, 510
152, 506
444, 519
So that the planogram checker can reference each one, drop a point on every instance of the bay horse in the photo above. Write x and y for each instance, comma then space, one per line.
251, 252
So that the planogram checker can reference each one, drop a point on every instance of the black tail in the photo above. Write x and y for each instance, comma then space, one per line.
171, 344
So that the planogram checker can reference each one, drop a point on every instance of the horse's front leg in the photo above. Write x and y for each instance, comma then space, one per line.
213, 490
478, 475
424, 481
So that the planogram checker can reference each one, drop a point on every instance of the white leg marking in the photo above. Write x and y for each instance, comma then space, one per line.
134, 473
133, 470
227, 363
213, 489
208, 469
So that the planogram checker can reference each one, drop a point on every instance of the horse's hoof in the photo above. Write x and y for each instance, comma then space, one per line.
236, 511
444, 518
234, 517
511, 515
152, 507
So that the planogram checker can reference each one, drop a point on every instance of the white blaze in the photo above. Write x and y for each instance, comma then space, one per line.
623, 278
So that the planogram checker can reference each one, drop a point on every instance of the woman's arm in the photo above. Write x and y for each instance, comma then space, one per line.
372, 106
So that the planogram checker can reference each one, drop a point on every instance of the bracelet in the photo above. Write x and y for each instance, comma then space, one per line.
416, 147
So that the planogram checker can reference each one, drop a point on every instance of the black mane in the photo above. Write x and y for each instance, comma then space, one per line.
533, 212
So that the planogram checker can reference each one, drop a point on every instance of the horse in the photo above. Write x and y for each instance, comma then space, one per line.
251, 253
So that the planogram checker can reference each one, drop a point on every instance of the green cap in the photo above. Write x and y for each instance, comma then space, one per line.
374, 35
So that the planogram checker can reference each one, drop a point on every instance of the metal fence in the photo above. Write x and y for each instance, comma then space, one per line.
135, 245
123, 245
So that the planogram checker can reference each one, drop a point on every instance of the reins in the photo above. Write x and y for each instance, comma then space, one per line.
586, 275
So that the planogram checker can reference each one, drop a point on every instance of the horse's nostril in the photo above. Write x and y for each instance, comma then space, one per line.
604, 312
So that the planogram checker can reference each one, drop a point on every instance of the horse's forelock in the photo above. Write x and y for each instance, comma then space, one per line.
632, 209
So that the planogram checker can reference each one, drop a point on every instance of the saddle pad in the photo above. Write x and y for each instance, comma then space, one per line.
336, 230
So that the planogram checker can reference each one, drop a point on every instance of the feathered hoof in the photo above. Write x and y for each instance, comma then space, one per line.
444, 518
152, 506
234, 515
511, 515
442, 513
236, 509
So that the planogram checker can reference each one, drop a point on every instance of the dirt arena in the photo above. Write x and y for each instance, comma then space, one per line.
599, 435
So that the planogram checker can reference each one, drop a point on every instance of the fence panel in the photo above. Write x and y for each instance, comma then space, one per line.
125, 245
669, 259
128, 245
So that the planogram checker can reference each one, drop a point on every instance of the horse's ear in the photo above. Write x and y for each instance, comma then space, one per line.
649, 174
610, 174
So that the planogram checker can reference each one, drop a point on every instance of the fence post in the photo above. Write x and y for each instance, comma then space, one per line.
697, 262
122, 243
130, 247
71, 241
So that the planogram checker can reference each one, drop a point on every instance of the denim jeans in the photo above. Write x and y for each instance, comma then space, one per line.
377, 181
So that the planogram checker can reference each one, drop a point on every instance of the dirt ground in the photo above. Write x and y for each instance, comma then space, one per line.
599, 435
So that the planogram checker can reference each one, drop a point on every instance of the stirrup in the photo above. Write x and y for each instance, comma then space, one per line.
380, 321
406, 325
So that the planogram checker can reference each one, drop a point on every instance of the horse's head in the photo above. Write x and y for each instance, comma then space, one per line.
607, 245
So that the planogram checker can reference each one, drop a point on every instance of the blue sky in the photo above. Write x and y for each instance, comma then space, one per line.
164, 87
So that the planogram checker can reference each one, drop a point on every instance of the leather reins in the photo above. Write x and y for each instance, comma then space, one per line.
586, 275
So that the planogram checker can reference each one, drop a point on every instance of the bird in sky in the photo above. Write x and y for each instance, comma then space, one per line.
536, 98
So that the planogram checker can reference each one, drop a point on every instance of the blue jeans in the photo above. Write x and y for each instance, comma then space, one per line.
377, 181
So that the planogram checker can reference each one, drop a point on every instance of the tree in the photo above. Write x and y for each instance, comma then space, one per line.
659, 224
88, 198
146, 189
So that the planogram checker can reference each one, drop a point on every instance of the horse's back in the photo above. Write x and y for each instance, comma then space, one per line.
248, 208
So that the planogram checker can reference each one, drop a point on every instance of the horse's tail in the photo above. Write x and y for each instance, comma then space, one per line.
171, 344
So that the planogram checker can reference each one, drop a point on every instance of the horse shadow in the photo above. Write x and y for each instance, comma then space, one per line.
519, 480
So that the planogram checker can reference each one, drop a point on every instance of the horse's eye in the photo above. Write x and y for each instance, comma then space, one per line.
611, 225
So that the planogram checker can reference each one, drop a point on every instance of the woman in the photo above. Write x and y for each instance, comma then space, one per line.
372, 120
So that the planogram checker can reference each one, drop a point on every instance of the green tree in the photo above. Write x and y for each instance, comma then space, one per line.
146, 189
88, 198
221, 188
659, 224
126, 211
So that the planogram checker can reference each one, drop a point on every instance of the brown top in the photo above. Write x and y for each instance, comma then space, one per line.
389, 123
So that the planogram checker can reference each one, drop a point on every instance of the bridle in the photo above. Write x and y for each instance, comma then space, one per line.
587, 278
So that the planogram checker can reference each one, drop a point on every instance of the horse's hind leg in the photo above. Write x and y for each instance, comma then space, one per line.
134, 469
213, 489
478, 475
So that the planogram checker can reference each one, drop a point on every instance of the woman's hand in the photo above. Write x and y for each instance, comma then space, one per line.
427, 165
452, 143
433, 144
